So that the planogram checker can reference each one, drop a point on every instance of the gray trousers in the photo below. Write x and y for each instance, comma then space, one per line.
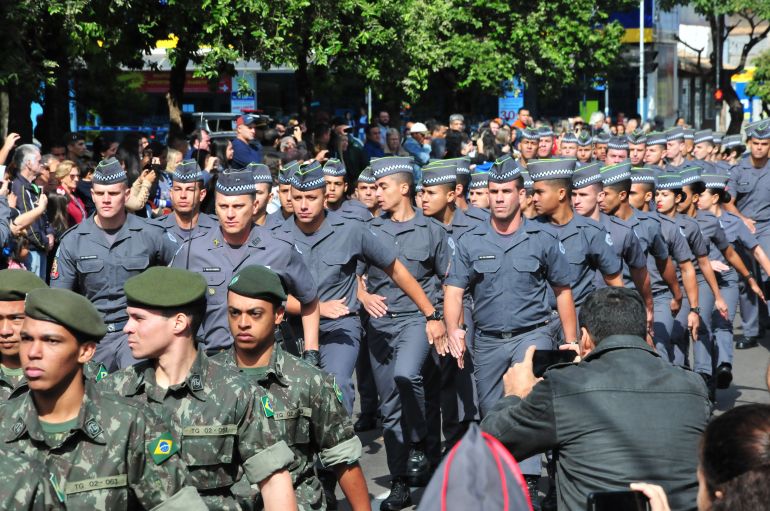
339, 344
367, 388
723, 328
704, 346
492, 357
663, 328
748, 301
113, 352
398, 347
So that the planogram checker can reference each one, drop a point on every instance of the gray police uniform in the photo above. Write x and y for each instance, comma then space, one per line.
181, 236
397, 341
275, 220
332, 254
626, 246
353, 209
507, 276
92, 263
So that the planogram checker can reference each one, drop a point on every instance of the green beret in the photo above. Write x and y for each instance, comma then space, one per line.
68, 309
15, 284
160, 287
257, 282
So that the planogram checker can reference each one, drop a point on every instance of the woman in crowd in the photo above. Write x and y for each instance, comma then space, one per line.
68, 175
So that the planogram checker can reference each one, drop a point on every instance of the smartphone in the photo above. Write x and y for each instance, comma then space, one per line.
544, 359
618, 501
2, 172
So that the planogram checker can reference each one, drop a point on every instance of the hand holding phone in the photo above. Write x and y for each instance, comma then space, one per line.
627, 500
543, 359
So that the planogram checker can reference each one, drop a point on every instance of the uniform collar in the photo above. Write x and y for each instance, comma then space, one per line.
477, 213
274, 367
89, 227
460, 219
89, 422
615, 342
496, 238
17, 386
327, 228
567, 230
391, 227
194, 383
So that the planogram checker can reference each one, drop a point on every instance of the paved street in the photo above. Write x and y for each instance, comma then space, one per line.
749, 386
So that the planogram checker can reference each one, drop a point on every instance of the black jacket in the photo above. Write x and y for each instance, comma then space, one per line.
622, 415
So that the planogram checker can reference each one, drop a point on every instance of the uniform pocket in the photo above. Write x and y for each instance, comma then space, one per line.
209, 453
215, 279
294, 425
90, 265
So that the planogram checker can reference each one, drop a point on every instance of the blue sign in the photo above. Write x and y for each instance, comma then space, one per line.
630, 18
511, 101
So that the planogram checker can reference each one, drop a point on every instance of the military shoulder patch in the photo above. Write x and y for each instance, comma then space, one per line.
337, 391
267, 406
101, 373
162, 448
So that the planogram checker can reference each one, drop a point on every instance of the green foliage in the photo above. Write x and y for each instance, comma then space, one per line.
760, 82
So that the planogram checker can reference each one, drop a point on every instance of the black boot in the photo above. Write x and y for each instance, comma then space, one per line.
400, 496
746, 343
365, 422
724, 375
329, 483
418, 466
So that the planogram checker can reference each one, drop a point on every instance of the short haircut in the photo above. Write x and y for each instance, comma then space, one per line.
369, 127
447, 187
620, 186
195, 311
522, 109
614, 311
464, 180
404, 177
197, 135
23, 154
560, 183
647, 187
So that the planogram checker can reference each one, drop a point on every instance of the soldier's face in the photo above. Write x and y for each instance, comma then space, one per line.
308, 205
759, 148
390, 192
636, 153
150, 332
366, 193
600, 152
505, 200
610, 200
479, 197
252, 321
702, 150
653, 154
528, 148
547, 197
11, 318
569, 149
639, 196
235, 212
50, 354
584, 153
110, 200
687, 200
674, 149
544, 147
615, 156
284, 195
435, 199
665, 201
585, 200
335, 189
262, 196
186, 197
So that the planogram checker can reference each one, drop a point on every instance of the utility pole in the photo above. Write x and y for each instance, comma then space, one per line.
641, 60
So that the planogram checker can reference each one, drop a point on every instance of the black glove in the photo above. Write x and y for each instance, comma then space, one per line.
312, 357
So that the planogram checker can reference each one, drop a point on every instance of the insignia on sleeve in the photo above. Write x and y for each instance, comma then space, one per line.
561, 248
337, 391
101, 373
55, 268
93, 428
681, 231
171, 237
451, 243
267, 406
608, 239
162, 448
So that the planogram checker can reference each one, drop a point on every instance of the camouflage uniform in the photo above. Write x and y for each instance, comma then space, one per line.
213, 414
11, 386
105, 461
24, 484
305, 404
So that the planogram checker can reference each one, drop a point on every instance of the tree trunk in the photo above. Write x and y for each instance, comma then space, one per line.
3, 113
174, 98
733, 103
304, 84
19, 111
56, 117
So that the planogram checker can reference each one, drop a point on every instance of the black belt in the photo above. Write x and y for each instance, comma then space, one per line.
513, 333
659, 292
401, 314
116, 327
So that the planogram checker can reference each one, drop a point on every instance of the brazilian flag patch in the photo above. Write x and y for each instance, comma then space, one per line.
162, 448
337, 391
101, 373
267, 406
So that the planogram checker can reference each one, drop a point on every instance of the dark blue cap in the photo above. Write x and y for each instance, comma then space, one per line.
187, 172
504, 170
309, 176
335, 168
235, 182
260, 172
389, 165
612, 174
109, 172
587, 175
552, 168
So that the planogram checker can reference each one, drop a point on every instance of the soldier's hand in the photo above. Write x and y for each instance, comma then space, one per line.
718, 266
756, 289
456, 344
436, 332
721, 306
312, 357
693, 323
750, 224
676, 306
333, 309
374, 304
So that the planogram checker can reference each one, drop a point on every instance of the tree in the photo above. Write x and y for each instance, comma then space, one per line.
726, 18
760, 82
